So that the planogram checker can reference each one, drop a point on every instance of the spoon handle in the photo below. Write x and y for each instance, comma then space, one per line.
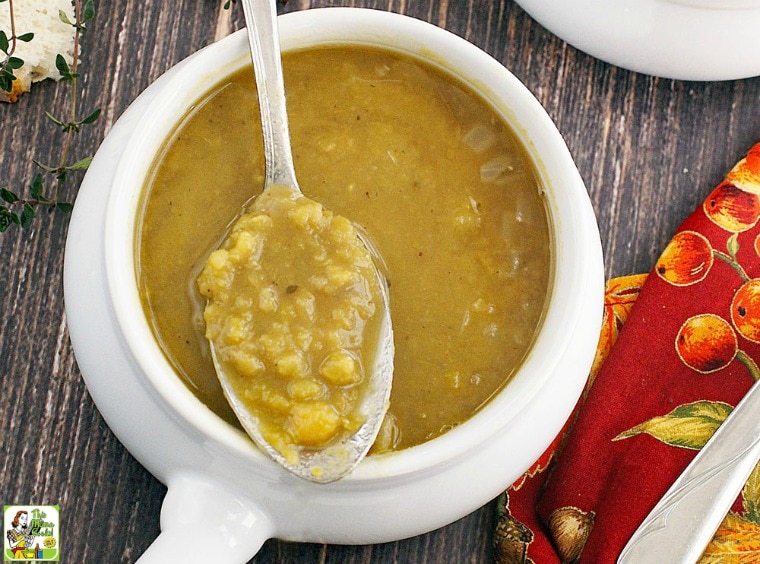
267, 65
683, 522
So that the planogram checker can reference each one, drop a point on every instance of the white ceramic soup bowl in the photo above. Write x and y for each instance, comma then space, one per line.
225, 498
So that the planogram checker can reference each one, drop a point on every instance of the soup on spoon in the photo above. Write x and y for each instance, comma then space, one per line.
297, 314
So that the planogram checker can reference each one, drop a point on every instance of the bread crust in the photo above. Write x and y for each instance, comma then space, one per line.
17, 89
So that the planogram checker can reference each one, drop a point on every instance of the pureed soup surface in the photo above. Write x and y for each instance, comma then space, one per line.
441, 185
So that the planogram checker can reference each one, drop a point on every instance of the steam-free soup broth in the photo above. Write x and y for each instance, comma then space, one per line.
438, 180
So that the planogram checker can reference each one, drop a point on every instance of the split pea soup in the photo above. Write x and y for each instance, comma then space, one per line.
434, 175
293, 316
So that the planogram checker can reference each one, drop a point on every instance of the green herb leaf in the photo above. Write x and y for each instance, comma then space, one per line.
82, 164
14, 63
27, 215
64, 207
88, 12
35, 188
26, 37
55, 120
64, 18
4, 43
8, 196
6, 81
63, 67
92, 117
44, 167
5, 219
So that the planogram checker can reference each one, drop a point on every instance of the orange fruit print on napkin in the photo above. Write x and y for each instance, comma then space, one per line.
686, 349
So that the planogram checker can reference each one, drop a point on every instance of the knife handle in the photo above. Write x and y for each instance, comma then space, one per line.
680, 526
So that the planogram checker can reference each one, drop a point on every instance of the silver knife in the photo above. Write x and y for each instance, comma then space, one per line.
682, 523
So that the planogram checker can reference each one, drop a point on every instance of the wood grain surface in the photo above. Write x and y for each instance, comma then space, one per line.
649, 150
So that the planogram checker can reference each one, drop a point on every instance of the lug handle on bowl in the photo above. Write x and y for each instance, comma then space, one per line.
203, 521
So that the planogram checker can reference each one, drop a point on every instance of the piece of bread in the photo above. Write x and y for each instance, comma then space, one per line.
51, 37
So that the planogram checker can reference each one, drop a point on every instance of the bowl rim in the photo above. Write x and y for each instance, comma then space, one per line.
486, 76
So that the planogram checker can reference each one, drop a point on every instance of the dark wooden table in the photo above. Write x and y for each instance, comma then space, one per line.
649, 149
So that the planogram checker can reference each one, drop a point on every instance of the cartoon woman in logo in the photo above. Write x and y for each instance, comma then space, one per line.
19, 540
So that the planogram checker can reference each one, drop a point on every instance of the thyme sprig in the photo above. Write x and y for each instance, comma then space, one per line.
18, 209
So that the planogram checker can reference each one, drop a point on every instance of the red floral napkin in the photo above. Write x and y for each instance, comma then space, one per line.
686, 349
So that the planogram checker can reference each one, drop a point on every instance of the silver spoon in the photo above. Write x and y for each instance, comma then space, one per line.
682, 523
338, 458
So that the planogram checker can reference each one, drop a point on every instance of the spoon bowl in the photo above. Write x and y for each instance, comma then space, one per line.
340, 457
